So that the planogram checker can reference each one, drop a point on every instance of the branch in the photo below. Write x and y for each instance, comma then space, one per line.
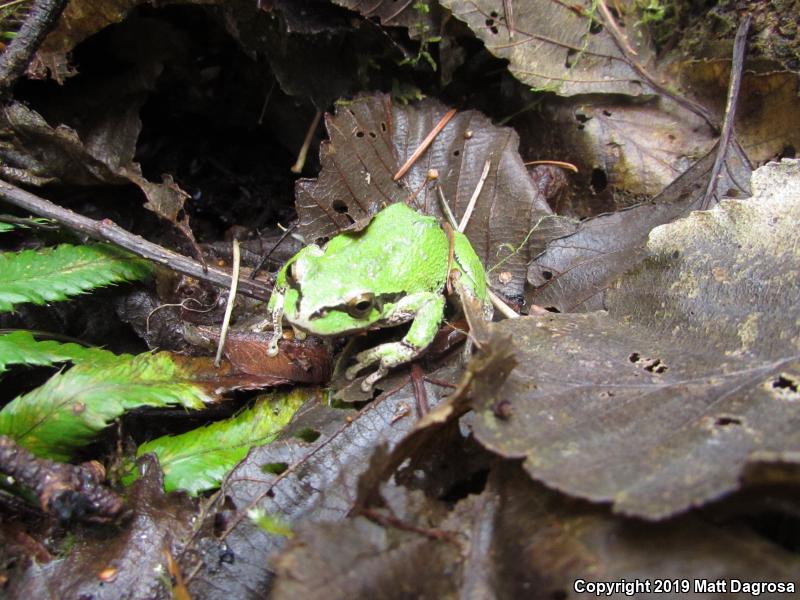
109, 231
68, 491
17, 56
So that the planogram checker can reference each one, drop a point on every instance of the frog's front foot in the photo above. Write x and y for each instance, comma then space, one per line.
388, 355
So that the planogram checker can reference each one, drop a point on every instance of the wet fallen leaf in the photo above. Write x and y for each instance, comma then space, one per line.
307, 361
631, 149
370, 138
557, 46
422, 18
80, 19
515, 539
659, 404
128, 564
96, 140
573, 273
767, 118
311, 475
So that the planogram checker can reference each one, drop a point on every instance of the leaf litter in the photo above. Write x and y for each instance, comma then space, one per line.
515, 539
371, 137
308, 479
658, 404
309, 474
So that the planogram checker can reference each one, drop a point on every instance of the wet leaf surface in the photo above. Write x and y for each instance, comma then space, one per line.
639, 147
574, 271
95, 144
370, 138
516, 539
79, 20
767, 121
127, 560
311, 475
555, 46
421, 22
659, 404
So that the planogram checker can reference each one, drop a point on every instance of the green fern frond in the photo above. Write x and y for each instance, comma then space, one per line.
68, 410
50, 274
21, 348
5, 227
198, 460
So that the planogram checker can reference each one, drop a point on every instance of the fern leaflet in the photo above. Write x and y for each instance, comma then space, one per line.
21, 348
50, 274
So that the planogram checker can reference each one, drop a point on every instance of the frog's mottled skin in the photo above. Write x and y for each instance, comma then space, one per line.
392, 272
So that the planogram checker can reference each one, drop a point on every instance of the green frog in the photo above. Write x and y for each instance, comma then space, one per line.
394, 271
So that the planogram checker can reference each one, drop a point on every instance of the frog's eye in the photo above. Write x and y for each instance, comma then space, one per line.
359, 306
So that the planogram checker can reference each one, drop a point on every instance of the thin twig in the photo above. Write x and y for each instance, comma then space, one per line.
424, 145
108, 231
266, 102
448, 214
554, 163
265, 257
301, 156
508, 9
395, 523
623, 46
471, 204
497, 302
17, 56
737, 65
612, 25
27, 222
226, 320
500, 305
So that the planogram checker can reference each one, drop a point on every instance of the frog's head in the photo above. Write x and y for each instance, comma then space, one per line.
325, 298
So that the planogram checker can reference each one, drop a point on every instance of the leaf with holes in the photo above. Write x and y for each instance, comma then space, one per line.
370, 138
627, 152
309, 474
556, 46
514, 537
693, 373
574, 272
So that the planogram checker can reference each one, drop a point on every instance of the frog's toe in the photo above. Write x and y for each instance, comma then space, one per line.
352, 372
369, 381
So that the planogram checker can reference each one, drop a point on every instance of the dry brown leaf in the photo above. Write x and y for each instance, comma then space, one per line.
660, 404
574, 272
517, 540
370, 138
556, 46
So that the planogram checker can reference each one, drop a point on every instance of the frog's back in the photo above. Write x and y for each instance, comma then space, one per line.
399, 251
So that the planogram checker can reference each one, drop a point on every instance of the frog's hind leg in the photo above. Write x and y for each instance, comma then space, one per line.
426, 309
